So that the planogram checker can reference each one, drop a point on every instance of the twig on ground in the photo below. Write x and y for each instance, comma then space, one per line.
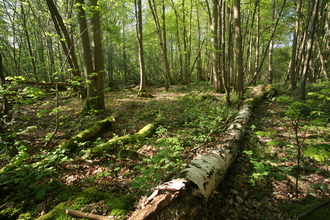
312, 210
88, 215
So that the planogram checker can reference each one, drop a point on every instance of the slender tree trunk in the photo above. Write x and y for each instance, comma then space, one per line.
230, 47
34, 68
293, 67
67, 46
178, 38
124, 53
215, 45
309, 48
239, 49
322, 60
2, 84
270, 54
199, 58
138, 9
225, 77
161, 30
267, 46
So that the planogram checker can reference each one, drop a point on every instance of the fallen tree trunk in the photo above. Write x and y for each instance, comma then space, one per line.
181, 198
141, 135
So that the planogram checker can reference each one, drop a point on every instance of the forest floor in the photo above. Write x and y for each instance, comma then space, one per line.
194, 117
240, 196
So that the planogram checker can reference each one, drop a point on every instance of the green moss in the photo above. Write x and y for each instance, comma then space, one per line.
121, 204
9, 213
320, 214
139, 136
56, 213
25, 216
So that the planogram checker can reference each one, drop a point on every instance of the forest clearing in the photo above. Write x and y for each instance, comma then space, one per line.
168, 109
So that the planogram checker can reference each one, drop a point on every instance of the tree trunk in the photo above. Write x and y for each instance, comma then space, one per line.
34, 69
2, 84
271, 50
293, 67
139, 33
67, 45
253, 80
322, 60
98, 56
225, 76
91, 102
239, 49
309, 48
182, 198
161, 30
215, 46
93, 70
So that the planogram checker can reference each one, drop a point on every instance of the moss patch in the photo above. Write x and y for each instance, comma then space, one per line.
9, 213
319, 214
119, 205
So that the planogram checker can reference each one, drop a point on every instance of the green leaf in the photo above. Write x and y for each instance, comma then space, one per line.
272, 143
324, 187
40, 193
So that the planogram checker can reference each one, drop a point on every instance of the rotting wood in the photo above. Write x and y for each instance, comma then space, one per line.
80, 214
146, 131
203, 174
87, 134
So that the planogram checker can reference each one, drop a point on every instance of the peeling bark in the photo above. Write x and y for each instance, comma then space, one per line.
182, 198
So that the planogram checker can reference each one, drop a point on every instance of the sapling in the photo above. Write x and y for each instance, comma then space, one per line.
294, 113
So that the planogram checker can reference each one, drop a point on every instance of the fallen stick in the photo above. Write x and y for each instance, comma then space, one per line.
80, 214
312, 210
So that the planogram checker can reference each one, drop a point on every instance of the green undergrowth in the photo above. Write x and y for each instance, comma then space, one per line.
186, 122
292, 139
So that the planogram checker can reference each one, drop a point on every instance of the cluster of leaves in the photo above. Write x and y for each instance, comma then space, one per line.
168, 160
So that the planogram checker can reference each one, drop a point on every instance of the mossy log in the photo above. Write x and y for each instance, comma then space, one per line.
73, 142
181, 198
145, 132
87, 134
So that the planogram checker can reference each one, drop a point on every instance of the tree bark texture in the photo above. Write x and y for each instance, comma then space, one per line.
181, 198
